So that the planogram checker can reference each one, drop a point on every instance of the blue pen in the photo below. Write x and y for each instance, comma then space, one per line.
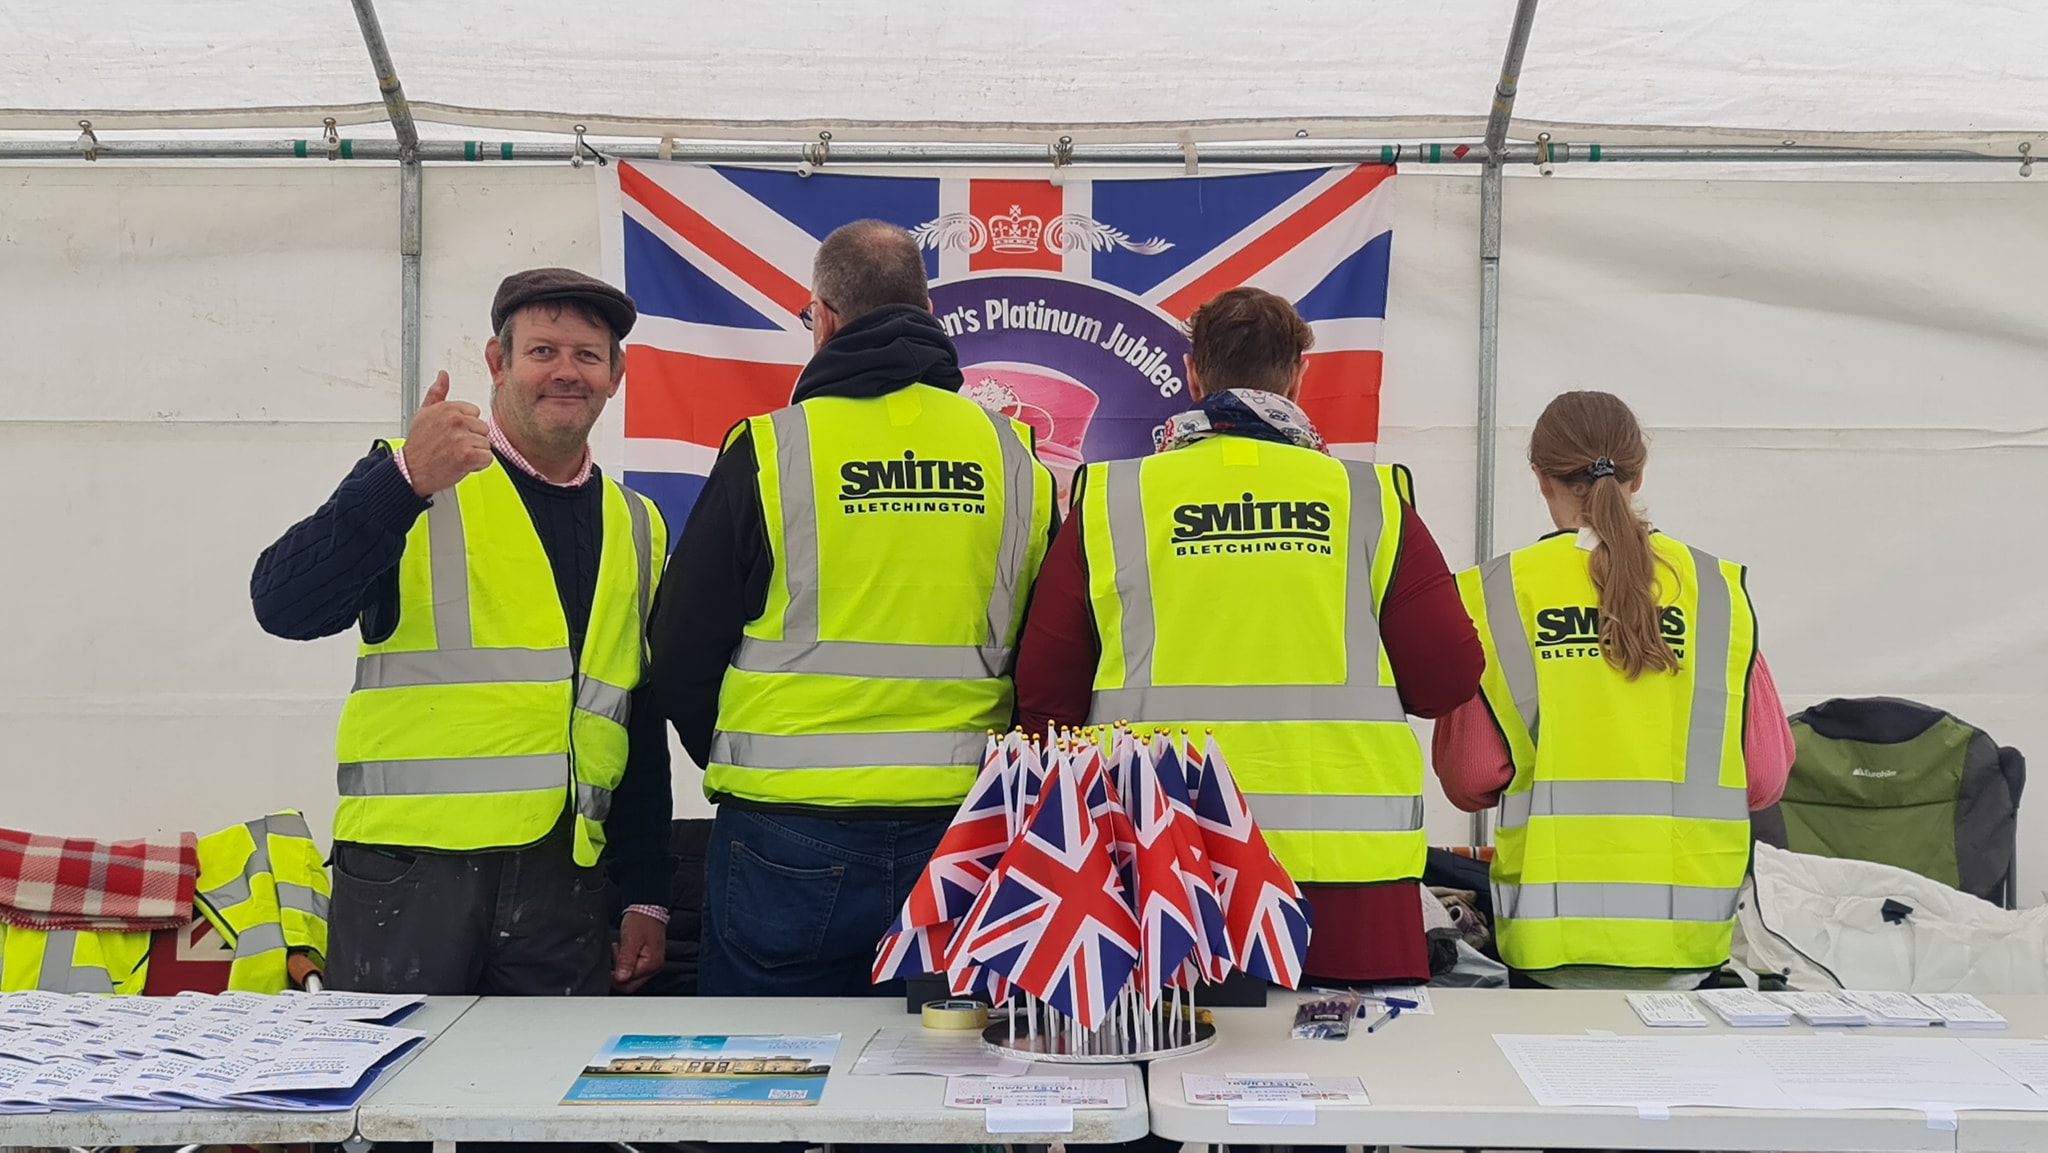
1392, 1012
1394, 1004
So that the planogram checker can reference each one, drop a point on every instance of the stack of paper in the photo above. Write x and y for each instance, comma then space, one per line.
376, 1008
1744, 1008
1819, 1007
1961, 1010
1664, 1010
234, 1051
1938, 1076
1898, 1009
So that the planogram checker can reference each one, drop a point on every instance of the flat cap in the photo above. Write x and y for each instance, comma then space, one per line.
536, 285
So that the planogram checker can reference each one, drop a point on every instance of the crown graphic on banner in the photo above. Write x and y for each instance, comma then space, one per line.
1023, 233
1015, 232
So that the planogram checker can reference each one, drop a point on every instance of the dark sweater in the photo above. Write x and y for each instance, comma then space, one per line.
339, 567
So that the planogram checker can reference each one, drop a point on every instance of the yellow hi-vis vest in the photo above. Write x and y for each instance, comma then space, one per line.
1623, 838
1298, 550
264, 888
471, 725
907, 531
73, 960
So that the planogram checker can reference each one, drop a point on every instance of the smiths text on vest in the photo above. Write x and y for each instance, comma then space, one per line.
1251, 525
1573, 631
912, 485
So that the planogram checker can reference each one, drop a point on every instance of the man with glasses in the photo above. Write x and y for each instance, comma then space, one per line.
838, 638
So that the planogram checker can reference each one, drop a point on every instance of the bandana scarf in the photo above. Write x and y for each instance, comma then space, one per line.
1242, 412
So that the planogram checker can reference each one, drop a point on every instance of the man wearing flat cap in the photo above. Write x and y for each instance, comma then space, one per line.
493, 750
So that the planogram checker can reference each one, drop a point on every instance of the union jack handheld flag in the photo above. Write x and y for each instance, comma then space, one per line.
1212, 955
1166, 915
954, 877
1266, 919
1055, 920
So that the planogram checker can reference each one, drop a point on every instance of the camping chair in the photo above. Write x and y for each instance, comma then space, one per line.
1903, 784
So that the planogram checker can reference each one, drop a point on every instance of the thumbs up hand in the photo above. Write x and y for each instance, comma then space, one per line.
448, 441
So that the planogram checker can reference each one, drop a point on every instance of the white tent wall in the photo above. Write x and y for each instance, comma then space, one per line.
1970, 71
1842, 380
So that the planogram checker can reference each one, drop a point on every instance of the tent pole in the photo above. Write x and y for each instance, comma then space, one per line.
1413, 157
1495, 155
409, 202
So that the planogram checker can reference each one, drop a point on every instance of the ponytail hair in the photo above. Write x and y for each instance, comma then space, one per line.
1590, 444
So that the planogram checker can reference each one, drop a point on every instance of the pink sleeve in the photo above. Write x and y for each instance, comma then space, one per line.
1471, 760
1766, 740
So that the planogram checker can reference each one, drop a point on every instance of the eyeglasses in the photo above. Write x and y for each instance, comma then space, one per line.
810, 314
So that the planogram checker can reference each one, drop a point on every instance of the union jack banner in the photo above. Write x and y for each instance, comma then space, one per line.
1065, 300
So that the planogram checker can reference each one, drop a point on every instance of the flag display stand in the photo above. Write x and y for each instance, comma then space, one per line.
1132, 1033
1092, 885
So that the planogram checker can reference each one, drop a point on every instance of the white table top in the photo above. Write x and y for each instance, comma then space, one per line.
500, 1074
2026, 1018
1440, 1080
219, 1126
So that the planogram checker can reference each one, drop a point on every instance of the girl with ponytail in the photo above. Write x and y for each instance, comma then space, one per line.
1588, 455
1625, 726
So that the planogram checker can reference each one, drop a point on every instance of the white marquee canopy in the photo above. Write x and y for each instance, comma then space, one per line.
1950, 73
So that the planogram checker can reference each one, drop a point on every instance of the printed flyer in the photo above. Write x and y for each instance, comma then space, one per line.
757, 1069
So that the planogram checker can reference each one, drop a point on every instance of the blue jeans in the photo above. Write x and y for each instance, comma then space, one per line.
793, 905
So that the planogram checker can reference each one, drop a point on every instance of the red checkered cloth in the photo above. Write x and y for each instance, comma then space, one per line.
56, 883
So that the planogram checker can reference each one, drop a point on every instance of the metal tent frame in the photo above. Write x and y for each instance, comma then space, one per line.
1493, 154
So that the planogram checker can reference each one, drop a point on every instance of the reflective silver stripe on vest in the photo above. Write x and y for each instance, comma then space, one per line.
800, 651
799, 522
847, 750
287, 825
1361, 613
1701, 796
302, 898
261, 937
643, 554
1708, 656
448, 569
1346, 813
1003, 603
871, 659
593, 802
59, 975
601, 699
236, 889
1226, 703
1708, 802
1613, 900
1510, 642
445, 776
1360, 698
462, 666
1126, 500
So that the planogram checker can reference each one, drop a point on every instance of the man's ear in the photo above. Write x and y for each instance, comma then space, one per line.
494, 358
618, 375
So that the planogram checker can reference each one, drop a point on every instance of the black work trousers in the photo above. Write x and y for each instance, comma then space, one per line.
524, 922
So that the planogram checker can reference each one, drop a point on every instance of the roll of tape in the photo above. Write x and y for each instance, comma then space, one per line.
955, 1015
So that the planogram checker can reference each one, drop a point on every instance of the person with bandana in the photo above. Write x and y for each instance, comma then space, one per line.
1244, 582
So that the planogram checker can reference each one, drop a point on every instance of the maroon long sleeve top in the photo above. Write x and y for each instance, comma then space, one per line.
1363, 932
